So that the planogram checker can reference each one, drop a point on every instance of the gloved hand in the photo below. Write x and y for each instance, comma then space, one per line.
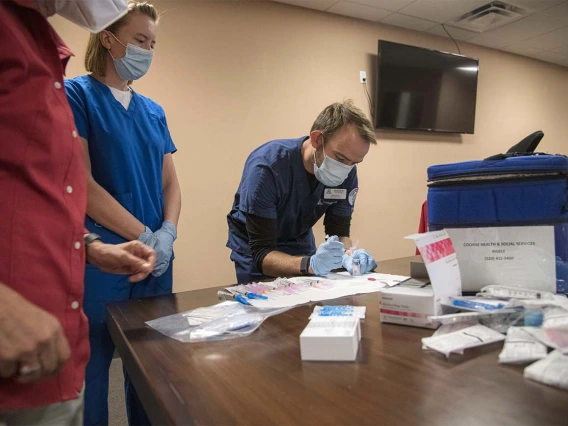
148, 238
328, 256
164, 247
366, 260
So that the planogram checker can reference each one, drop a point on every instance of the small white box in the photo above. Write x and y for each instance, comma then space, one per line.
408, 306
331, 339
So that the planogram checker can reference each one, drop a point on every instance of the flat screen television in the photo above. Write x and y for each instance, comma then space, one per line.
422, 89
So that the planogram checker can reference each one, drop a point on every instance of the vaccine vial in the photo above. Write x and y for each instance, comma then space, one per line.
356, 267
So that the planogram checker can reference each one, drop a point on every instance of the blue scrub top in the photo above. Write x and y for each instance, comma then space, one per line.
126, 147
275, 185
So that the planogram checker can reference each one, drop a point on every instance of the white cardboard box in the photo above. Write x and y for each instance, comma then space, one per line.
408, 306
331, 339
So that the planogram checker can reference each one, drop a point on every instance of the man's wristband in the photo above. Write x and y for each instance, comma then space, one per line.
304, 265
89, 238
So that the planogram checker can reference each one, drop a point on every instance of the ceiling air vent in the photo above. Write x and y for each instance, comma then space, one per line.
488, 17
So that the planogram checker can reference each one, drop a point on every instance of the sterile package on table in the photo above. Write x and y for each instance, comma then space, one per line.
339, 311
458, 341
226, 320
521, 347
552, 370
331, 338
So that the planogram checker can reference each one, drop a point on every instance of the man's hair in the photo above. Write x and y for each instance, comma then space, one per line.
337, 115
96, 55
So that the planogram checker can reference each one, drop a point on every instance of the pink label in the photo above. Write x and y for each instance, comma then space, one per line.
437, 250
401, 313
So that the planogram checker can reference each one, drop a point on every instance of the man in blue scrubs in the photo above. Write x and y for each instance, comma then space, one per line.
287, 186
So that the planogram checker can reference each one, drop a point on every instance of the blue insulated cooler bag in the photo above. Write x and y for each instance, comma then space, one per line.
519, 188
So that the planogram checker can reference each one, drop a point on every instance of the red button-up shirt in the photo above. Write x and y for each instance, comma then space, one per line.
43, 195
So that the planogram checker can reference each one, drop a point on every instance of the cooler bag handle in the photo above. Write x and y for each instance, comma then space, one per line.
524, 147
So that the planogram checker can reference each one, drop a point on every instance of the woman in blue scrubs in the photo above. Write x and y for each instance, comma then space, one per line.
133, 191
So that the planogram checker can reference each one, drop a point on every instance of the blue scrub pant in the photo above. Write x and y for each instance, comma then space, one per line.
245, 268
100, 289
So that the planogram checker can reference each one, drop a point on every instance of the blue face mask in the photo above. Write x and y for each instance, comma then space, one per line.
134, 64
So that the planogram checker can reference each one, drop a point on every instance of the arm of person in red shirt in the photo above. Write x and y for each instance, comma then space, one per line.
32, 342
104, 209
133, 258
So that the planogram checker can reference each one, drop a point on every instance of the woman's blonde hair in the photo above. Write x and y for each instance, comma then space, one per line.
96, 55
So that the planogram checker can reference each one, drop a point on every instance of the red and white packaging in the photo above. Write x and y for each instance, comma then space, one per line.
413, 305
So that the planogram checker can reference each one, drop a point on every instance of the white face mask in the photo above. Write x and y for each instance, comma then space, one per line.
331, 172
92, 15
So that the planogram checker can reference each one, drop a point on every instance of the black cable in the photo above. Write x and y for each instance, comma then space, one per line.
369, 100
453, 39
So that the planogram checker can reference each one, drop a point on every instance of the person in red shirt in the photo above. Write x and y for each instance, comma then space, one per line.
44, 345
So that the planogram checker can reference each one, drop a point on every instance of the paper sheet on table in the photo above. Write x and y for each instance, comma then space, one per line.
386, 279
343, 285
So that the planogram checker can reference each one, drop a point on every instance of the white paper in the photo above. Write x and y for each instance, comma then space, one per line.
518, 256
441, 263
521, 347
386, 279
457, 341
343, 285
552, 370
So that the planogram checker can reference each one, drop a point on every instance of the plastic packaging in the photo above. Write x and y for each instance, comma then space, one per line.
521, 347
458, 341
356, 267
552, 370
533, 318
504, 292
227, 320
339, 311
555, 319
477, 303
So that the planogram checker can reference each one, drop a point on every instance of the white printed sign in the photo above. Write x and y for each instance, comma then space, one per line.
516, 256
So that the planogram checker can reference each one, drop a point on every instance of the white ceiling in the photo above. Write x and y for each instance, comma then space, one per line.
542, 34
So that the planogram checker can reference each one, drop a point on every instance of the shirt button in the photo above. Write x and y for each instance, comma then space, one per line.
69, 189
57, 85
74, 133
74, 304
77, 245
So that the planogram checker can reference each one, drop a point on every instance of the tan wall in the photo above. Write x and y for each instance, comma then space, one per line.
233, 75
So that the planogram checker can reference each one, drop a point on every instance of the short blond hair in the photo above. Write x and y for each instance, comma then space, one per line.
337, 115
96, 55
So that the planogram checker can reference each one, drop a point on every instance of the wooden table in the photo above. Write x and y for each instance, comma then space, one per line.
261, 380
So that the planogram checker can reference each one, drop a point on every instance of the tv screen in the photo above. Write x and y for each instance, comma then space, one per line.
421, 89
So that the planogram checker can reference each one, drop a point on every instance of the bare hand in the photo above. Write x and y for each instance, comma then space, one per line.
32, 342
133, 258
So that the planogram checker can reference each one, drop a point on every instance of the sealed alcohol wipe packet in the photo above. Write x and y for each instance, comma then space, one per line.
521, 347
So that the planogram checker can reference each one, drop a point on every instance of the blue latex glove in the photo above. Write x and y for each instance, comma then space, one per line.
367, 262
148, 238
164, 247
328, 256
